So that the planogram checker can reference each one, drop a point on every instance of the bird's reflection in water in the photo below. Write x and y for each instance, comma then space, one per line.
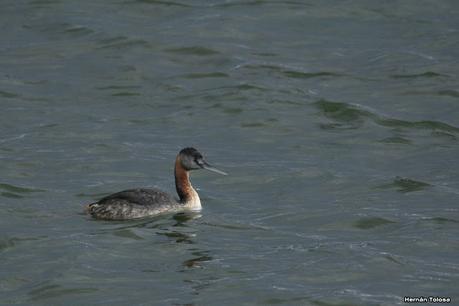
179, 237
198, 281
180, 221
184, 217
182, 232
199, 257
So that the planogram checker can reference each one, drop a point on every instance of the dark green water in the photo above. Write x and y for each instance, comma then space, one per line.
338, 122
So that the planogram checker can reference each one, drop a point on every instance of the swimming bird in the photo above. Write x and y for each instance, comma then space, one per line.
143, 202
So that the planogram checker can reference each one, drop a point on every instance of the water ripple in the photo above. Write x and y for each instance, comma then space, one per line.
290, 72
205, 75
44, 3
309, 75
449, 93
165, 3
349, 116
260, 2
444, 92
16, 192
9, 95
120, 42
371, 222
53, 291
405, 185
194, 50
427, 74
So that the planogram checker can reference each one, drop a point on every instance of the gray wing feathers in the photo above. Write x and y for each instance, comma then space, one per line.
133, 203
140, 197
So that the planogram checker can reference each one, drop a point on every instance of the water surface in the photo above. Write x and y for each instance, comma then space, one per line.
338, 122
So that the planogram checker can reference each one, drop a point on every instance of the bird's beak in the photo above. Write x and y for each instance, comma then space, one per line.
206, 166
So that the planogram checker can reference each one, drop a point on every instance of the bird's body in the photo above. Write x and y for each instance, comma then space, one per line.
134, 203
143, 202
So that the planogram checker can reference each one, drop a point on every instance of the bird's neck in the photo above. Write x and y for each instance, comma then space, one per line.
188, 196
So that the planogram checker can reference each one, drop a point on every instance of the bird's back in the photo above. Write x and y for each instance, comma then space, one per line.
133, 203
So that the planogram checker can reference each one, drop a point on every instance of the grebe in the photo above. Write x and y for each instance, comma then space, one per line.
138, 203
